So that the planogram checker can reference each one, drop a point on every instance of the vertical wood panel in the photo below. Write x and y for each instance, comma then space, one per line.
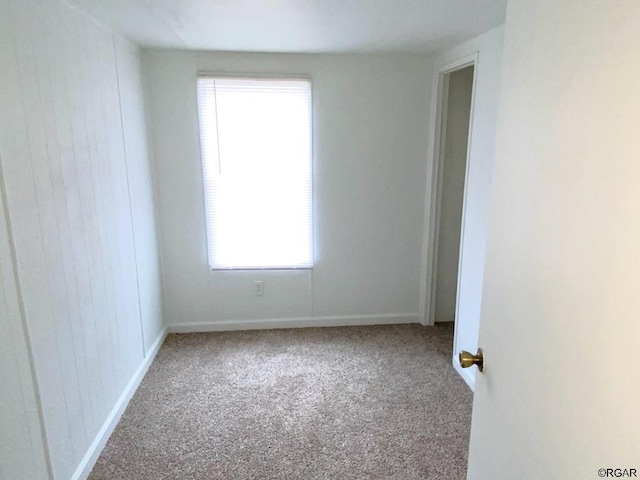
93, 185
72, 147
22, 143
67, 189
140, 175
122, 204
21, 438
58, 132
107, 159
63, 254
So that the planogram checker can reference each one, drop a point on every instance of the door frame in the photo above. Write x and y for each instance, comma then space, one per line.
434, 184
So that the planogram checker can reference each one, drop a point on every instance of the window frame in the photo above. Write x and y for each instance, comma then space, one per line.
259, 76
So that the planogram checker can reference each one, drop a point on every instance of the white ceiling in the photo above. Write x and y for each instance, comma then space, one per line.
328, 26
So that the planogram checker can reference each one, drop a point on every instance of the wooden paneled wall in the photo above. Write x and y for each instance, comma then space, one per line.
23, 450
79, 205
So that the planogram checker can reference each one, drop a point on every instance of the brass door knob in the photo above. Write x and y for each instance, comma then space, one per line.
468, 359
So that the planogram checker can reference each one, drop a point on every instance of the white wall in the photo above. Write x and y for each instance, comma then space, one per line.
370, 145
456, 136
79, 203
487, 49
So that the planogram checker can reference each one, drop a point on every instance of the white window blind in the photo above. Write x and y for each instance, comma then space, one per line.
256, 146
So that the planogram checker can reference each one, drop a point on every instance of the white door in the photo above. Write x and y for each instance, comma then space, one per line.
560, 326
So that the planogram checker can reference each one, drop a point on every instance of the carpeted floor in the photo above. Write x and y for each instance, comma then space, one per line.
380, 402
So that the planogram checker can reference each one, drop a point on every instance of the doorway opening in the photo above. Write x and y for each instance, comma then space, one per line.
455, 111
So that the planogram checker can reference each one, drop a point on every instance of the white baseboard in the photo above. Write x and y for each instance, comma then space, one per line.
90, 458
263, 324
466, 373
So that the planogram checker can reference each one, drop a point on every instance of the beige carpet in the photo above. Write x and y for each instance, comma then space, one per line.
378, 402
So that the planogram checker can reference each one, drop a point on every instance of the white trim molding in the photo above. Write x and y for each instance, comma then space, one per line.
429, 259
90, 458
434, 180
300, 322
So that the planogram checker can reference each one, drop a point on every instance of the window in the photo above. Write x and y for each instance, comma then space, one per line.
256, 143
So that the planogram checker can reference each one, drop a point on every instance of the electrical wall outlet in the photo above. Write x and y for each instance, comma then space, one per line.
258, 288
